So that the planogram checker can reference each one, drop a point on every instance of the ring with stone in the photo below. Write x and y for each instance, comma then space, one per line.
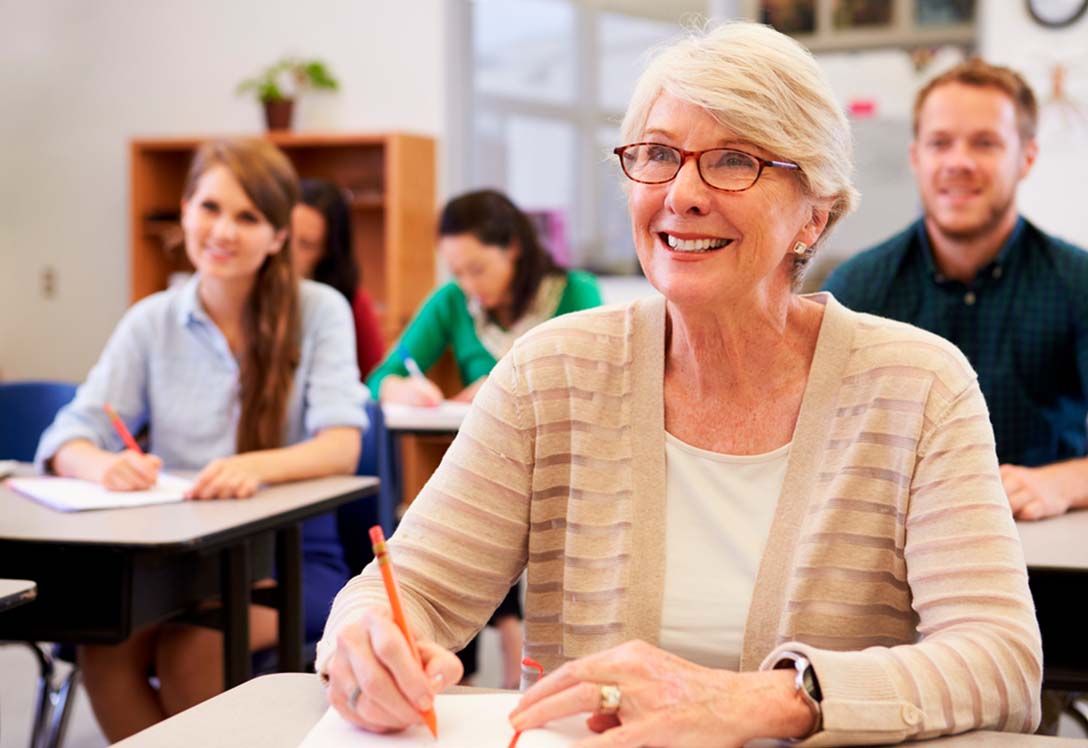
610, 699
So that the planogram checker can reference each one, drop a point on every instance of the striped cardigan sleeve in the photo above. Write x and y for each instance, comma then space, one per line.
977, 662
463, 541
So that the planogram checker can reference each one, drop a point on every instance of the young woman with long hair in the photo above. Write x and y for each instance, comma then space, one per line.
243, 374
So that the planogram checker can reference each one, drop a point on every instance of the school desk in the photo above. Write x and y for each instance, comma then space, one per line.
103, 574
422, 436
278, 710
16, 592
1056, 551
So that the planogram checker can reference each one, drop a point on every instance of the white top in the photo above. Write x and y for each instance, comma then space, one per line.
718, 517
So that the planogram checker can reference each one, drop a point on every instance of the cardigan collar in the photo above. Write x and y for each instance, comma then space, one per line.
647, 572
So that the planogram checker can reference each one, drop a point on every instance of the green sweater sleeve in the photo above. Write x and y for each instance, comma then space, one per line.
582, 292
425, 338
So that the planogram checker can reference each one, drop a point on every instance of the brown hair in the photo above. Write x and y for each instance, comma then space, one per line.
271, 320
977, 72
494, 220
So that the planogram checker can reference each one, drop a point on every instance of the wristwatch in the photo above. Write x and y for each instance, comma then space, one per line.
808, 688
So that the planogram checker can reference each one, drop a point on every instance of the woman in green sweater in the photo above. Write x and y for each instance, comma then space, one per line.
505, 283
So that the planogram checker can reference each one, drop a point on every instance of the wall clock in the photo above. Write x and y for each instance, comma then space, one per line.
1055, 14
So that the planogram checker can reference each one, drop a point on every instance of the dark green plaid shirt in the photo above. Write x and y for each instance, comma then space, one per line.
1022, 322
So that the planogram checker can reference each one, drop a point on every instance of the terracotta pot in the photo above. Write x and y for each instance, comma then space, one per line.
277, 114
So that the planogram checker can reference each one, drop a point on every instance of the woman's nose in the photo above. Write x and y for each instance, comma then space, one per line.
224, 228
688, 193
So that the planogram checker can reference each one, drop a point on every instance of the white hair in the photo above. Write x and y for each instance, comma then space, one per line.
768, 90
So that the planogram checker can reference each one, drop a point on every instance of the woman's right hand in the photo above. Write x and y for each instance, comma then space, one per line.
373, 656
130, 471
117, 471
410, 391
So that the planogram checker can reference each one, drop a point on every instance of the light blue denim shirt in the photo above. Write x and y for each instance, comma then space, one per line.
168, 368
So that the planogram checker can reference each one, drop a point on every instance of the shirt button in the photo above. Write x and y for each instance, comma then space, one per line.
997, 271
969, 298
911, 714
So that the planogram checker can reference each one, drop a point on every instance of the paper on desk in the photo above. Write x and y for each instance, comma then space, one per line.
71, 495
446, 416
464, 721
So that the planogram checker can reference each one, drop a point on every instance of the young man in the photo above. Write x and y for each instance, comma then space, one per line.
1014, 299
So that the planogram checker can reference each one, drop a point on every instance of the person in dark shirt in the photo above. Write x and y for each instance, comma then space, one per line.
973, 270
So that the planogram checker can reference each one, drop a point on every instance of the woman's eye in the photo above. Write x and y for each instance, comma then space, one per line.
247, 217
732, 160
210, 206
660, 153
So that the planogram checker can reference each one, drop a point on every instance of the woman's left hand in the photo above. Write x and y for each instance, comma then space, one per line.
665, 701
236, 477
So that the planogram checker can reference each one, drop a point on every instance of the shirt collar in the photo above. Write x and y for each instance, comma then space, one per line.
189, 307
1004, 255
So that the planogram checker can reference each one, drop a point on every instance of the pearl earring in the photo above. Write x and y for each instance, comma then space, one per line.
800, 248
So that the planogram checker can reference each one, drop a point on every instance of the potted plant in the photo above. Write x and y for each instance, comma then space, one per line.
279, 84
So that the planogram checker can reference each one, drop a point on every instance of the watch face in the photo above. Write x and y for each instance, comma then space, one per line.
811, 684
1056, 13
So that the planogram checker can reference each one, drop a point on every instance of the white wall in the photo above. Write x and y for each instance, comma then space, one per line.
79, 79
1053, 194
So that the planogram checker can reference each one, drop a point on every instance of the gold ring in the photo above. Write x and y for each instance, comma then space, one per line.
354, 697
610, 699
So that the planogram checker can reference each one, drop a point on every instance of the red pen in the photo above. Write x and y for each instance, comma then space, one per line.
119, 427
527, 662
377, 538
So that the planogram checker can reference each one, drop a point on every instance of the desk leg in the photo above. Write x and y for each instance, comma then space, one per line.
235, 579
289, 581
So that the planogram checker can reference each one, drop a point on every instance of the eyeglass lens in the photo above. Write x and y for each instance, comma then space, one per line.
722, 168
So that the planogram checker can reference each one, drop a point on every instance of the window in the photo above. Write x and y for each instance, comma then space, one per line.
548, 83
539, 87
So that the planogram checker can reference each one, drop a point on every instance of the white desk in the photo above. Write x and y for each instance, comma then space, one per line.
1056, 543
278, 710
16, 592
103, 574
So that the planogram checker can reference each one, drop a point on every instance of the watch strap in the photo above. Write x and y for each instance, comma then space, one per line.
806, 684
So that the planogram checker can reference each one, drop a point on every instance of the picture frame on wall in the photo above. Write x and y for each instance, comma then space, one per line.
943, 12
853, 14
789, 16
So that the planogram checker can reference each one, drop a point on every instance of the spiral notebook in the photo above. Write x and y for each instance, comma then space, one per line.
72, 495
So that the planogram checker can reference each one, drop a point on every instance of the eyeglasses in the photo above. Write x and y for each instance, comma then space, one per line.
721, 168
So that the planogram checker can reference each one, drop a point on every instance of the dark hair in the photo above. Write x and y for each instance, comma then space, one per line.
981, 74
271, 320
337, 266
494, 220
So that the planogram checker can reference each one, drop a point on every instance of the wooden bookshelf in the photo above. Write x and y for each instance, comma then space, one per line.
391, 178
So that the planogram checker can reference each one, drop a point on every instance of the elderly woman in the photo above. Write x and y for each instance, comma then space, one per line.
743, 512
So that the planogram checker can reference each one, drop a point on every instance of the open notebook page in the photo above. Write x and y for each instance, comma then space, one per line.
464, 721
72, 495
446, 416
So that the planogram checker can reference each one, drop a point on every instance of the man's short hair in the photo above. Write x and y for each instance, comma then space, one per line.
978, 72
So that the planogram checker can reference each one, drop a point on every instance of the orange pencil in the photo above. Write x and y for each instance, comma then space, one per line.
377, 539
119, 427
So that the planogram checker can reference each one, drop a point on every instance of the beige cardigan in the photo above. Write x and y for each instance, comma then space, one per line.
893, 562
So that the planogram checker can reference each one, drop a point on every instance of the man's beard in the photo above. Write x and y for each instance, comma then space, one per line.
994, 218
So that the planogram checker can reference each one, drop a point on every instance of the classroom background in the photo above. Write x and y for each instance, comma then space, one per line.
523, 95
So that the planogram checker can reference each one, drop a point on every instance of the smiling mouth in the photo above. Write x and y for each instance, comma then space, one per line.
693, 245
959, 191
221, 253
